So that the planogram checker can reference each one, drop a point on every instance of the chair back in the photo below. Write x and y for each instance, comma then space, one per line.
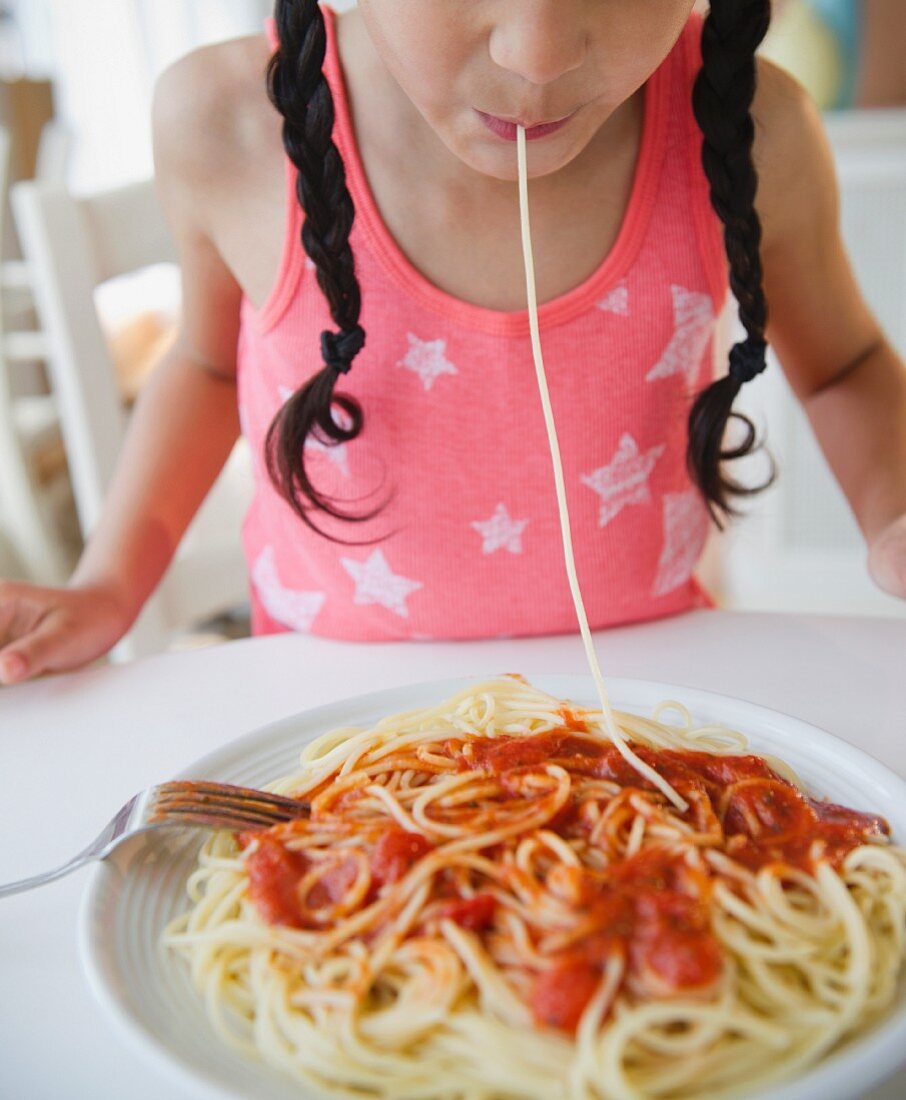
75, 244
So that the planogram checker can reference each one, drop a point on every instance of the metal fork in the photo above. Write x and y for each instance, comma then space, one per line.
205, 805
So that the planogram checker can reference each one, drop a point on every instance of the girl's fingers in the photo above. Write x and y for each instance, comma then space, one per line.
887, 559
32, 654
12, 667
21, 609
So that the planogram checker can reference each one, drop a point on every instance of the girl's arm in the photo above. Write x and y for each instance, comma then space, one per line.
882, 71
180, 434
851, 382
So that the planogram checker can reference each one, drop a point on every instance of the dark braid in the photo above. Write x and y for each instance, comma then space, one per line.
722, 100
300, 92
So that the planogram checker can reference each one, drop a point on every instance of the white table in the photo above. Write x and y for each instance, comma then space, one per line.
74, 748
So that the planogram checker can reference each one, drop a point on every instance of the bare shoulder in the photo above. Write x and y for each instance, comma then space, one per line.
212, 117
792, 157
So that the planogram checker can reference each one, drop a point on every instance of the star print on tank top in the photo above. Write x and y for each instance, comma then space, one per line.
468, 542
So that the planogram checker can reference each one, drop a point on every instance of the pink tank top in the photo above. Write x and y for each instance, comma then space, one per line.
469, 546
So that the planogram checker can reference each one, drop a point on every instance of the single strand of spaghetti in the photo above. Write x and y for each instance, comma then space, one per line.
557, 844
496, 995
392, 936
615, 735
583, 1074
395, 810
779, 893
859, 945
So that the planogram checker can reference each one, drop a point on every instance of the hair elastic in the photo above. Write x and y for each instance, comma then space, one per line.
340, 348
747, 360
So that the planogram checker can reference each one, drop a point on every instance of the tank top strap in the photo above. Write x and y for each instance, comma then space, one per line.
270, 32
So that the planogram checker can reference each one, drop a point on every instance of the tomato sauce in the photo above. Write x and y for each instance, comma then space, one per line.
770, 817
475, 913
274, 873
395, 853
651, 909
560, 995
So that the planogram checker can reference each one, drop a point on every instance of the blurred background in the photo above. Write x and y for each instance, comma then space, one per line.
89, 297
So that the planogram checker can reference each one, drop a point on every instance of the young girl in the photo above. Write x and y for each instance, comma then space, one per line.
383, 366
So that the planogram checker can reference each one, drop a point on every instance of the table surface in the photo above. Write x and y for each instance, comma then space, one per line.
74, 748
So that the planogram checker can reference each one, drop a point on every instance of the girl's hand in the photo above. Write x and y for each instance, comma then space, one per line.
55, 629
887, 558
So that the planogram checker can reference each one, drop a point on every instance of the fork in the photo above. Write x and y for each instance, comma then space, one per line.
186, 803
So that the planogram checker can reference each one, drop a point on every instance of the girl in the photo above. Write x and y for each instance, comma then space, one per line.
432, 513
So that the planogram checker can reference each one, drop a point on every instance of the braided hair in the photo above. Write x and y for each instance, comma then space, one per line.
722, 101
299, 90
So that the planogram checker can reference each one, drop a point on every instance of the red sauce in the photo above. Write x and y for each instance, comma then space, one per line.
330, 887
652, 909
473, 913
504, 754
772, 819
395, 853
573, 721
559, 995
767, 810
274, 873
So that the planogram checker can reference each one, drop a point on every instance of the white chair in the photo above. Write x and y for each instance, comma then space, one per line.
74, 245
800, 549
33, 493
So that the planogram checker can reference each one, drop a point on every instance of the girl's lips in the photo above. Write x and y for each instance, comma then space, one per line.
507, 130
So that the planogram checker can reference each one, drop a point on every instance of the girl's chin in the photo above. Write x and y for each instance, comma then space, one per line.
500, 163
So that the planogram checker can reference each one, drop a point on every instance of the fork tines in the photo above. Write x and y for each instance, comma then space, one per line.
222, 805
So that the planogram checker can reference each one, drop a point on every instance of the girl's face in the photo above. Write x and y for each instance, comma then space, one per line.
474, 68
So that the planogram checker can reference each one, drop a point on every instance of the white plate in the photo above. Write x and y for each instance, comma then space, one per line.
147, 993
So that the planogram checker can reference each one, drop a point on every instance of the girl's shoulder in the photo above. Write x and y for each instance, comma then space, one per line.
791, 154
211, 113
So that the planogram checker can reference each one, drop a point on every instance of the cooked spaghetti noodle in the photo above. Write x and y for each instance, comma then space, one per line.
488, 901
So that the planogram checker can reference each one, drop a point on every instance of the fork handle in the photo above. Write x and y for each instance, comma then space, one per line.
48, 876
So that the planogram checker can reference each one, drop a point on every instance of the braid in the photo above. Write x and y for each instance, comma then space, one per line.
722, 100
300, 92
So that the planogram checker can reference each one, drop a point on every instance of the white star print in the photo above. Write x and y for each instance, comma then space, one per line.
685, 532
376, 583
336, 452
427, 359
297, 610
693, 315
616, 300
501, 532
624, 480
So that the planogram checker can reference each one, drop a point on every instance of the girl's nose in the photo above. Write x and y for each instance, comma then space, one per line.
539, 40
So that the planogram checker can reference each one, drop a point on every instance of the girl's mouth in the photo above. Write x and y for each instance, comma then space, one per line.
506, 128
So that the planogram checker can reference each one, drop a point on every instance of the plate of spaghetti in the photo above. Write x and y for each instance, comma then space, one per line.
490, 897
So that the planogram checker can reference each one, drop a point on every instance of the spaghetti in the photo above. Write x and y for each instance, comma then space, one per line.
488, 901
